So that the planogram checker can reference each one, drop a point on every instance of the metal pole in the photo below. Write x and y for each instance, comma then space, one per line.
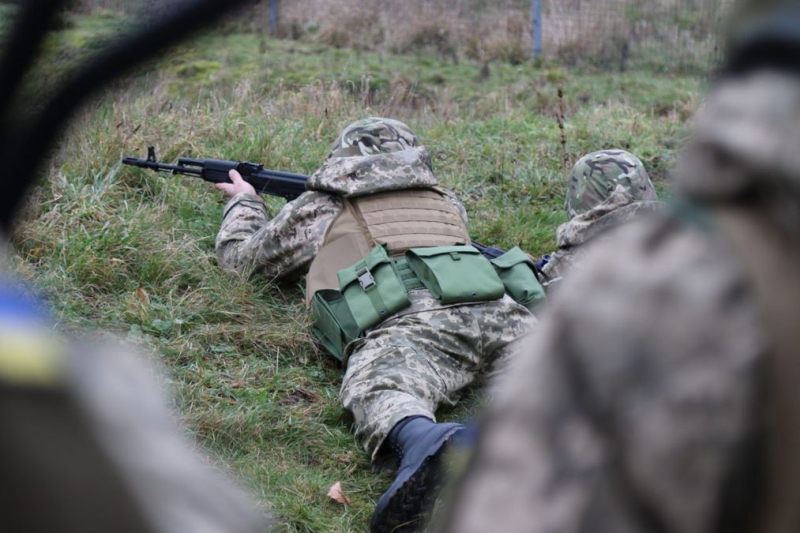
273, 17
536, 27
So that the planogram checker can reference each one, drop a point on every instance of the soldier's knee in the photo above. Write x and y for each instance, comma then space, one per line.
390, 369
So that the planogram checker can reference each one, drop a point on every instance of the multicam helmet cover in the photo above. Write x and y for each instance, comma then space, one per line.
373, 136
595, 176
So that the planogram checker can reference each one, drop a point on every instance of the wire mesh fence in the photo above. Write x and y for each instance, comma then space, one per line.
665, 35
661, 34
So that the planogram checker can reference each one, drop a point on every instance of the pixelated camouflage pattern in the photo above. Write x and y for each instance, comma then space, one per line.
249, 242
373, 136
414, 361
641, 401
575, 236
595, 176
356, 176
423, 358
374, 155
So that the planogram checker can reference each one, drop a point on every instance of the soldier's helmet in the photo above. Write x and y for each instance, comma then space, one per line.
373, 136
595, 176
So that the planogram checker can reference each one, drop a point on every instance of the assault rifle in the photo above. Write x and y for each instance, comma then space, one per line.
264, 181
272, 182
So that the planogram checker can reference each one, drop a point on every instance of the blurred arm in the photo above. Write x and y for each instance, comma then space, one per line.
637, 407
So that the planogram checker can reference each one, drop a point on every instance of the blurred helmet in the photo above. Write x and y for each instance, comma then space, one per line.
373, 136
764, 34
595, 176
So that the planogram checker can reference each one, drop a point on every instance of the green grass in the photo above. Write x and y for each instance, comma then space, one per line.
122, 250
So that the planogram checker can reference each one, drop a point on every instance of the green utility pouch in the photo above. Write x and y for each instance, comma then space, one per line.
455, 274
518, 274
373, 289
334, 324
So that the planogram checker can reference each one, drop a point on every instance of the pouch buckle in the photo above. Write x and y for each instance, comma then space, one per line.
365, 278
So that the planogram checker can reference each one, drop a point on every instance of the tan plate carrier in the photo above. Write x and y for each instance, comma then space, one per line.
401, 220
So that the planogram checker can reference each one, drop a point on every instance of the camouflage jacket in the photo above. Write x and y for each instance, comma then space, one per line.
573, 237
639, 407
284, 246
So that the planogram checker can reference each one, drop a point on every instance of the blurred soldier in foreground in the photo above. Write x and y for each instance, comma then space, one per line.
88, 445
604, 190
414, 316
661, 393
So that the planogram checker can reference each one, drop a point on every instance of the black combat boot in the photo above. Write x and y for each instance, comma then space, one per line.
420, 444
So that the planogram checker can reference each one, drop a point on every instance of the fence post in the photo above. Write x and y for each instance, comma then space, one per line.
273, 17
536, 27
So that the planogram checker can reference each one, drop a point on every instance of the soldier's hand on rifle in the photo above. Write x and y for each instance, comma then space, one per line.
237, 186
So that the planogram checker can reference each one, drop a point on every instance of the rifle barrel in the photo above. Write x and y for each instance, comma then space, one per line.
160, 167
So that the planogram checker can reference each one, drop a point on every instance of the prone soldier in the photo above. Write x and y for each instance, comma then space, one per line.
605, 189
414, 313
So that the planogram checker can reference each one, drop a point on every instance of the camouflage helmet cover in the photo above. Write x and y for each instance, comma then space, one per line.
595, 176
373, 136
374, 155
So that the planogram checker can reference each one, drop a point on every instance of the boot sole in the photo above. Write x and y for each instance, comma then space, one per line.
410, 507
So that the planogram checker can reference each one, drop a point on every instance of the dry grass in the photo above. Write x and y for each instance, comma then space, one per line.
603, 33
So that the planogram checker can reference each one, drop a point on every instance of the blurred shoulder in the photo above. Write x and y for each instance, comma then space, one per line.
661, 293
660, 250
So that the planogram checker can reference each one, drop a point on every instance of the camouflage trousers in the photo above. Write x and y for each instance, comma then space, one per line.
423, 358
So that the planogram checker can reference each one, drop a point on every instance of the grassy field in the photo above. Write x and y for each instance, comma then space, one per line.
128, 252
